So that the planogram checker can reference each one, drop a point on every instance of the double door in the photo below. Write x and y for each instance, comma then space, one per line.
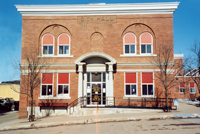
96, 88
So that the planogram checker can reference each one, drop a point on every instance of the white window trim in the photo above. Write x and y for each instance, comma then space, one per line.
56, 56
48, 45
194, 88
130, 54
150, 96
147, 54
51, 97
46, 84
130, 84
134, 55
64, 55
180, 88
63, 95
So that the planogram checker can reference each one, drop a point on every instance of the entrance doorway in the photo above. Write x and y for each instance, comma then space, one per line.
96, 88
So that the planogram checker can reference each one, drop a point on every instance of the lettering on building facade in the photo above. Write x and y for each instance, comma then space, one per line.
84, 20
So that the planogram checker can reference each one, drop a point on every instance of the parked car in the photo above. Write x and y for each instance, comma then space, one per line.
7, 104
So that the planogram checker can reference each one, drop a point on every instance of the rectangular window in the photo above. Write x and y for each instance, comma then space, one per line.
63, 84
182, 87
47, 49
130, 84
192, 88
47, 84
147, 84
146, 49
64, 49
129, 49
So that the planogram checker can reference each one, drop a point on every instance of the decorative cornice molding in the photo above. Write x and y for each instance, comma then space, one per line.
98, 9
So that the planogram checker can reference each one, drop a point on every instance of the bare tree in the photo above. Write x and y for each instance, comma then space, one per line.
31, 67
164, 61
192, 64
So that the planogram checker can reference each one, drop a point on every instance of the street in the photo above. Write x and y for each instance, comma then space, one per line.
8, 116
171, 126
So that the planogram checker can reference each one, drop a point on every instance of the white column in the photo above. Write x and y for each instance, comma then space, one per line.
80, 79
85, 84
109, 93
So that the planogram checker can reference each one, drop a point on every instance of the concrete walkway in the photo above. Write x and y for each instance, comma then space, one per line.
183, 111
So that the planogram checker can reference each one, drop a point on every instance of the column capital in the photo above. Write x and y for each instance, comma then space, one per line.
110, 66
80, 66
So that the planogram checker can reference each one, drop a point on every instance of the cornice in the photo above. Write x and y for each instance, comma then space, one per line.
98, 9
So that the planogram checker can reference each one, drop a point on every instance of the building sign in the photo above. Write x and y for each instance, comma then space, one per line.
84, 20
97, 19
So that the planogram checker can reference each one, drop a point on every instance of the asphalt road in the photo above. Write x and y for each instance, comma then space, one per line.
8, 116
169, 126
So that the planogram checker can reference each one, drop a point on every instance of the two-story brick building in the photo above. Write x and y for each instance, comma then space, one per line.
96, 50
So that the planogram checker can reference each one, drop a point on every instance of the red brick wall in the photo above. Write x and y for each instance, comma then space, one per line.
109, 40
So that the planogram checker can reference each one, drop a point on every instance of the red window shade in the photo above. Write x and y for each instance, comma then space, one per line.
146, 38
47, 78
130, 77
63, 78
47, 39
129, 38
147, 77
192, 85
64, 39
182, 84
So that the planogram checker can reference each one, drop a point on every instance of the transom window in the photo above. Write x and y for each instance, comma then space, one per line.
146, 42
63, 84
182, 87
130, 84
147, 84
64, 44
192, 88
47, 44
129, 43
47, 84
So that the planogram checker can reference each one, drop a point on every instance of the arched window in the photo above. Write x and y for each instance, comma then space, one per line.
47, 44
129, 43
146, 43
64, 44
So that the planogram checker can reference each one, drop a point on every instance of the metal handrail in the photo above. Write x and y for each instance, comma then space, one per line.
159, 102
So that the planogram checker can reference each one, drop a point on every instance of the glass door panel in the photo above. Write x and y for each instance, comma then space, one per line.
96, 88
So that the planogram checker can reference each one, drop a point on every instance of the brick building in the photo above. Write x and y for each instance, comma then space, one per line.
96, 50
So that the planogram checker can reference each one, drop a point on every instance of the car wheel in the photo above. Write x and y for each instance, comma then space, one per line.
12, 108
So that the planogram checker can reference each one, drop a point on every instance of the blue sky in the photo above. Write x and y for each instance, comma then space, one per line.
186, 28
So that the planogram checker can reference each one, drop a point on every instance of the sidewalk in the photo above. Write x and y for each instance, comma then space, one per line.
183, 111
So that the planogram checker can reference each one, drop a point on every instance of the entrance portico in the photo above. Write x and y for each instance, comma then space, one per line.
95, 64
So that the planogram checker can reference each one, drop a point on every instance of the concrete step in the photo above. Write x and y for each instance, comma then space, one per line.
103, 111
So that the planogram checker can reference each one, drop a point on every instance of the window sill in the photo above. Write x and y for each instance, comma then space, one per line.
148, 96
56, 56
137, 97
53, 98
134, 55
192, 93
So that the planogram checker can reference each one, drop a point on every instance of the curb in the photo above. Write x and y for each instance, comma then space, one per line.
105, 120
